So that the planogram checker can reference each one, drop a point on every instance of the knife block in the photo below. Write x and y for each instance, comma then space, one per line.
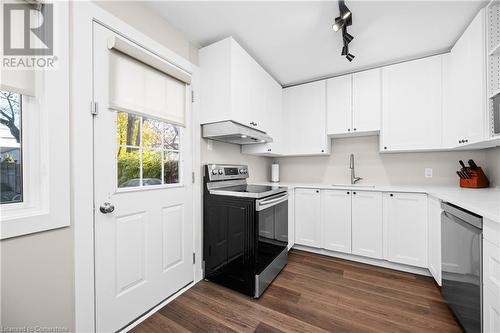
478, 179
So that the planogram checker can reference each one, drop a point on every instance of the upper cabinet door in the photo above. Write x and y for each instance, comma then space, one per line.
339, 110
304, 119
412, 105
366, 101
465, 116
235, 87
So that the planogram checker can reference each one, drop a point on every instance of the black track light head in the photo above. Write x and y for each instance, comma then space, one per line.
349, 57
345, 50
339, 23
347, 37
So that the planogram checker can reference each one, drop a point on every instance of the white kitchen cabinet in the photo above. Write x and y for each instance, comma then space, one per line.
336, 220
304, 119
367, 228
491, 287
465, 117
308, 217
412, 105
339, 105
434, 238
274, 112
354, 103
405, 228
234, 86
366, 101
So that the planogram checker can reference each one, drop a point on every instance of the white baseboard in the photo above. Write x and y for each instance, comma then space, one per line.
365, 260
158, 307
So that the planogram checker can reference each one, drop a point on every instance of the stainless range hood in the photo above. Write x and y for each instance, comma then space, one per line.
232, 132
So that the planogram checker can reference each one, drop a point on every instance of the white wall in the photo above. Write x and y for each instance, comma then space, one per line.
376, 168
37, 280
259, 167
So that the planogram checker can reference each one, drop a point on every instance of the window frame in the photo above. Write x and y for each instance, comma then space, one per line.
34, 157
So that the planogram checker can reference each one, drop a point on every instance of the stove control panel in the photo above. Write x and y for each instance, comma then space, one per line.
217, 172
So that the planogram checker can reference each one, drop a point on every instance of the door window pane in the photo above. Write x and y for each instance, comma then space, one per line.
151, 130
172, 137
148, 151
128, 129
129, 167
171, 167
11, 167
151, 167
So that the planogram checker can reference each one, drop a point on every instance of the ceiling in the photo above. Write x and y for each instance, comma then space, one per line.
294, 42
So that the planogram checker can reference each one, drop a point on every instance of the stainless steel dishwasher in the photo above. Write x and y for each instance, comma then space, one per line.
461, 265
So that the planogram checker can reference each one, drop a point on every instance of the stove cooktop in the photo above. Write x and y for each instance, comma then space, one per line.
248, 190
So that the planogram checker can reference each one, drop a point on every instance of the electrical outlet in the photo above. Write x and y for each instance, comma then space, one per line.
210, 144
428, 172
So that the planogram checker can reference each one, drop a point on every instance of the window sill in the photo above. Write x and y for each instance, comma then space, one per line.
29, 223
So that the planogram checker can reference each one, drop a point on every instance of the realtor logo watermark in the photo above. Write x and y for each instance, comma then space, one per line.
28, 36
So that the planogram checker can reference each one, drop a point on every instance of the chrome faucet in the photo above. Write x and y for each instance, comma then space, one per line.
354, 179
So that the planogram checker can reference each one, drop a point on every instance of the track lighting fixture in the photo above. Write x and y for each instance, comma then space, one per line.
342, 22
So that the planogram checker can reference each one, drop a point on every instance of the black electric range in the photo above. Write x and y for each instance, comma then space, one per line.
245, 229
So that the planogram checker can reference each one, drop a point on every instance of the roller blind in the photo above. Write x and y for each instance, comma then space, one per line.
18, 81
137, 87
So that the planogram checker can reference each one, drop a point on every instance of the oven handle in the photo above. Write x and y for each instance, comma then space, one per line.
269, 202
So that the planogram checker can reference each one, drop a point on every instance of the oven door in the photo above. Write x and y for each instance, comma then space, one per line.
272, 222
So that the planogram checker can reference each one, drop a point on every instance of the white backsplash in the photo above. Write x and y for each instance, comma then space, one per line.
376, 168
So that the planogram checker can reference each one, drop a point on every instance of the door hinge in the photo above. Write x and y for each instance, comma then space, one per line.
194, 258
192, 177
192, 96
93, 108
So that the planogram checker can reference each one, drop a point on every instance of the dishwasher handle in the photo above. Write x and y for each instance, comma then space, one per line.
463, 215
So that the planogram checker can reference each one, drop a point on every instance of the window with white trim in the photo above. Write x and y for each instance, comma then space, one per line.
34, 141
148, 151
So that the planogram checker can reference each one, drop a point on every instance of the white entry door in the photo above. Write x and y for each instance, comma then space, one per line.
143, 204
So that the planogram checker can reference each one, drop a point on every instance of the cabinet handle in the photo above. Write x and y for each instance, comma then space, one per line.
385, 148
353, 192
322, 150
348, 130
354, 128
348, 192
391, 195
317, 191
269, 149
467, 140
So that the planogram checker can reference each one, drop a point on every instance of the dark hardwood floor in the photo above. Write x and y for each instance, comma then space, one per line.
313, 294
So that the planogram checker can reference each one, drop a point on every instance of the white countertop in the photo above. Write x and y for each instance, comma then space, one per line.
484, 202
